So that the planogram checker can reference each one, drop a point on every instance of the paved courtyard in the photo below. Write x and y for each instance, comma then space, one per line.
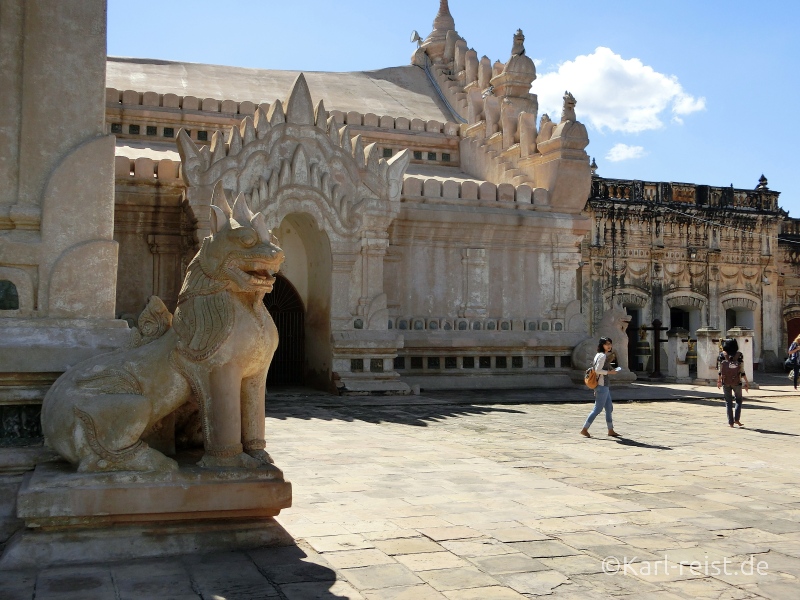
482, 496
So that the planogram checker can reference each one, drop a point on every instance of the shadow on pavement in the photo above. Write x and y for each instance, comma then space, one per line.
768, 432
416, 415
267, 572
629, 442
748, 403
296, 574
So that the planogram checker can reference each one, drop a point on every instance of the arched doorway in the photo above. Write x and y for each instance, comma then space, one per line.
793, 329
286, 308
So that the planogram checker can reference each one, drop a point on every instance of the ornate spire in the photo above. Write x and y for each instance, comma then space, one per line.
518, 49
434, 44
444, 20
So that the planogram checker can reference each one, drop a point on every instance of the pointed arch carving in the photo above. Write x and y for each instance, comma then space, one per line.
296, 160
685, 300
635, 298
790, 312
739, 301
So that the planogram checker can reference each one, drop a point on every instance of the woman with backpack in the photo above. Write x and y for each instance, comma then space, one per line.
730, 367
602, 394
794, 358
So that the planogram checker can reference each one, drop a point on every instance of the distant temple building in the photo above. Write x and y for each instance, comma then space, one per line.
438, 231
694, 256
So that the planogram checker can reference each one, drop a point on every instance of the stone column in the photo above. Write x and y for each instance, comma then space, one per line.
167, 251
341, 269
744, 337
564, 270
713, 296
707, 352
373, 250
677, 347
771, 343
658, 292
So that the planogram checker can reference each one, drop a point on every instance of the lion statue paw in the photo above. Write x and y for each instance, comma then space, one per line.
262, 456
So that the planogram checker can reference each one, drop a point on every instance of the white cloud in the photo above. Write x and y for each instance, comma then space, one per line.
615, 93
621, 152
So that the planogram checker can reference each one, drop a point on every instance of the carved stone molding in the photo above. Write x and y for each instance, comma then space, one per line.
296, 160
739, 302
686, 301
635, 299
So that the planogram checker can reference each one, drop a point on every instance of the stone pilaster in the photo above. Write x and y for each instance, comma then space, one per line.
476, 283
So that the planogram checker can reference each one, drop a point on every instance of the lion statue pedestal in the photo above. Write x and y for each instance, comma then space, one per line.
203, 371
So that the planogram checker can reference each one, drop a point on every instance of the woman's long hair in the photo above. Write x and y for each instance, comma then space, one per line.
602, 342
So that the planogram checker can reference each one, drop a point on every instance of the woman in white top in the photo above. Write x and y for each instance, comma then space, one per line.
602, 393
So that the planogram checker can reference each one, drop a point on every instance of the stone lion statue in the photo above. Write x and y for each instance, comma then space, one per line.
613, 324
216, 351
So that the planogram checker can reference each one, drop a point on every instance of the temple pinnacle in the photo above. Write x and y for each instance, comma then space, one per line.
444, 20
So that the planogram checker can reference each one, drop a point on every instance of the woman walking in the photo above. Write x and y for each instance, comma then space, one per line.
731, 374
602, 394
794, 358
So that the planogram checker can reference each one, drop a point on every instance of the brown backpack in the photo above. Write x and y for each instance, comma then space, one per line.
729, 370
590, 378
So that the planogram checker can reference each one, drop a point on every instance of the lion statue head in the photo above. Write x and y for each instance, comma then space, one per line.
240, 256
613, 324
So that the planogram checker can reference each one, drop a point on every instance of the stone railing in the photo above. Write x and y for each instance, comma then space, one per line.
523, 196
462, 324
790, 228
399, 123
239, 110
686, 194
190, 103
161, 171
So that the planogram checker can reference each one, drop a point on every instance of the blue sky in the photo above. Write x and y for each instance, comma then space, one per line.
688, 91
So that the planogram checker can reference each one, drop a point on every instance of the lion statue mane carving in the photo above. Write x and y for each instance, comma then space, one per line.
613, 324
215, 352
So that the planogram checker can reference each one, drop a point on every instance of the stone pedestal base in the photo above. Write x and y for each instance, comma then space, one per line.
81, 517
351, 386
30, 549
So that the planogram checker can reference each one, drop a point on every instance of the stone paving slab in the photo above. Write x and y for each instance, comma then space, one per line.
473, 497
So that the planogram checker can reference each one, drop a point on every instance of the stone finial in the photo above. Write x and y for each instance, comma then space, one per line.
593, 167
444, 20
519, 67
568, 112
518, 49
435, 44
762, 183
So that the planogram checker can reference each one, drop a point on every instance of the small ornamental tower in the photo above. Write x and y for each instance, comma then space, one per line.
434, 44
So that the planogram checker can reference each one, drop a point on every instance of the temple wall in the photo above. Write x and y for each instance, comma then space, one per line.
57, 202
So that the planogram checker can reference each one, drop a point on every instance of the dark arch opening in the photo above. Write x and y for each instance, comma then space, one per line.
286, 308
793, 329
9, 299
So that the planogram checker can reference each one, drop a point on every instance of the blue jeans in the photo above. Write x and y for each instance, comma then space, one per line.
796, 370
602, 400
729, 393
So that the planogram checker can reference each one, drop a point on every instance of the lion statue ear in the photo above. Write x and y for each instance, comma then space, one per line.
260, 225
241, 212
218, 219
220, 208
